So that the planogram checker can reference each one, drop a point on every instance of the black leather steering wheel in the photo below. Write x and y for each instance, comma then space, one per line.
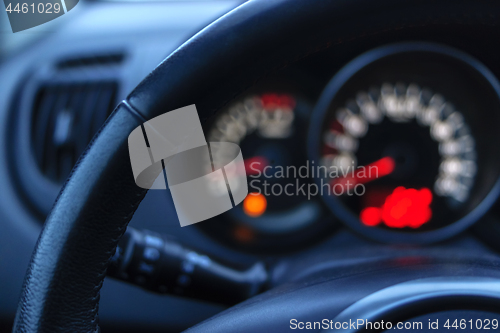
61, 289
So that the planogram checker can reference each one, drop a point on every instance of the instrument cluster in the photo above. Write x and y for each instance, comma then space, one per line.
400, 146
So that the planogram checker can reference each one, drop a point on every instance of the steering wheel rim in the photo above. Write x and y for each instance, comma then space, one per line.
68, 266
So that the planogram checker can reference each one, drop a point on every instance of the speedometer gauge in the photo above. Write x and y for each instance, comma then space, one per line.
400, 126
405, 137
270, 126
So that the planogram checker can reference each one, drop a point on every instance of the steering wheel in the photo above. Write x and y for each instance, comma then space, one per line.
68, 266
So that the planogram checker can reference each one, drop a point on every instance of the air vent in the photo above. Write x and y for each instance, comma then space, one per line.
65, 118
95, 60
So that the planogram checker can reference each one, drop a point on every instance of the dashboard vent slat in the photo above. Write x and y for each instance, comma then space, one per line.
45, 101
91, 61
106, 102
65, 117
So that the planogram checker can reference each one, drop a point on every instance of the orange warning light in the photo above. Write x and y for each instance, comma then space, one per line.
255, 204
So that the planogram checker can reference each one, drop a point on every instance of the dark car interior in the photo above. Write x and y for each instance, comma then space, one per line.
369, 132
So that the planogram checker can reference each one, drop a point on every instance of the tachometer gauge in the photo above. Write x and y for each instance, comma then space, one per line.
404, 138
271, 129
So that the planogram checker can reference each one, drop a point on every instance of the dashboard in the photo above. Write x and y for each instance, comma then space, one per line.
385, 145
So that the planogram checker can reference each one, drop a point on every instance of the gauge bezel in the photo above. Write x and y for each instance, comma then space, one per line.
321, 111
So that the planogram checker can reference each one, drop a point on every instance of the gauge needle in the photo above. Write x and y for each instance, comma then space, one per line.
367, 173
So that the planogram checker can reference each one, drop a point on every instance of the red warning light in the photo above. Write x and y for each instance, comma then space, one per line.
255, 165
403, 208
371, 216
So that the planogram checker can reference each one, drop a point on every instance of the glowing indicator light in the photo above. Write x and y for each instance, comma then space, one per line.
371, 216
243, 234
255, 165
255, 204
403, 208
